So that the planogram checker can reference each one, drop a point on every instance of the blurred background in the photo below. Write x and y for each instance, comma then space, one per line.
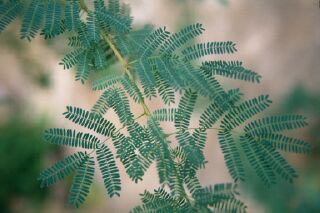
280, 39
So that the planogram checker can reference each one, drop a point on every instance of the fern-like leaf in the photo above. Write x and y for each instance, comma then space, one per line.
32, 19
72, 58
132, 89
127, 151
231, 154
203, 49
275, 124
285, 143
90, 120
8, 12
153, 41
244, 111
258, 160
52, 26
185, 109
93, 28
113, 22
165, 90
164, 161
230, 69
72, 15
165, 114
83, 68
160, 201
147, 78
278, 163
61, 169
182, 37
69, 137
221, 198
106, 82
109, 170
82, 182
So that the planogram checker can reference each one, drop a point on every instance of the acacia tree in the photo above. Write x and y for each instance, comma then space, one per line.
155, 63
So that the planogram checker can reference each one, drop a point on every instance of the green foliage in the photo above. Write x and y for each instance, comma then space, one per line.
161, 63
61, 169
32, 20
230, 69
203, 49
71, 138
109, 170
8, 12
90, 120
81, 183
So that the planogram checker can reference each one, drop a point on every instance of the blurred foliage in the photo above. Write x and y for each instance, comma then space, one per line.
304, 194
22, 154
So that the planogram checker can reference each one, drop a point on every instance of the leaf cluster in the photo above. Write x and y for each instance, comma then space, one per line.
163, 63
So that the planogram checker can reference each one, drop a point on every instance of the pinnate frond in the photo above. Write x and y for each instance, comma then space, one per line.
72, 15
204, 49
231, 154
244, 111
8, 12
109, 170
180, 38
230, 69
275, 124
72, 138
165, 114
32, 19
90, 120
61, 169
81, 183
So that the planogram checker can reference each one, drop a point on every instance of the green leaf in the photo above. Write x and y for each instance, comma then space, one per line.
182, 37
257, 159
165, 163
203, 49
72, 58
278, 163
52, 26
165, 90
275, 124
69, 137
109, 170
81, 183
230, 69
83, 68
135, 163
285, 143
8, 12
113, 22
61, 169
93, 28
32, 20
231, 155
147, 78
244, 111
161, 201
165, 114
90, 120
221, 198
114, 6
132, 89
153, 41
106, 82
72, 15
185, 109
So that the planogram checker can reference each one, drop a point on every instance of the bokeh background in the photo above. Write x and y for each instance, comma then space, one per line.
280, 39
